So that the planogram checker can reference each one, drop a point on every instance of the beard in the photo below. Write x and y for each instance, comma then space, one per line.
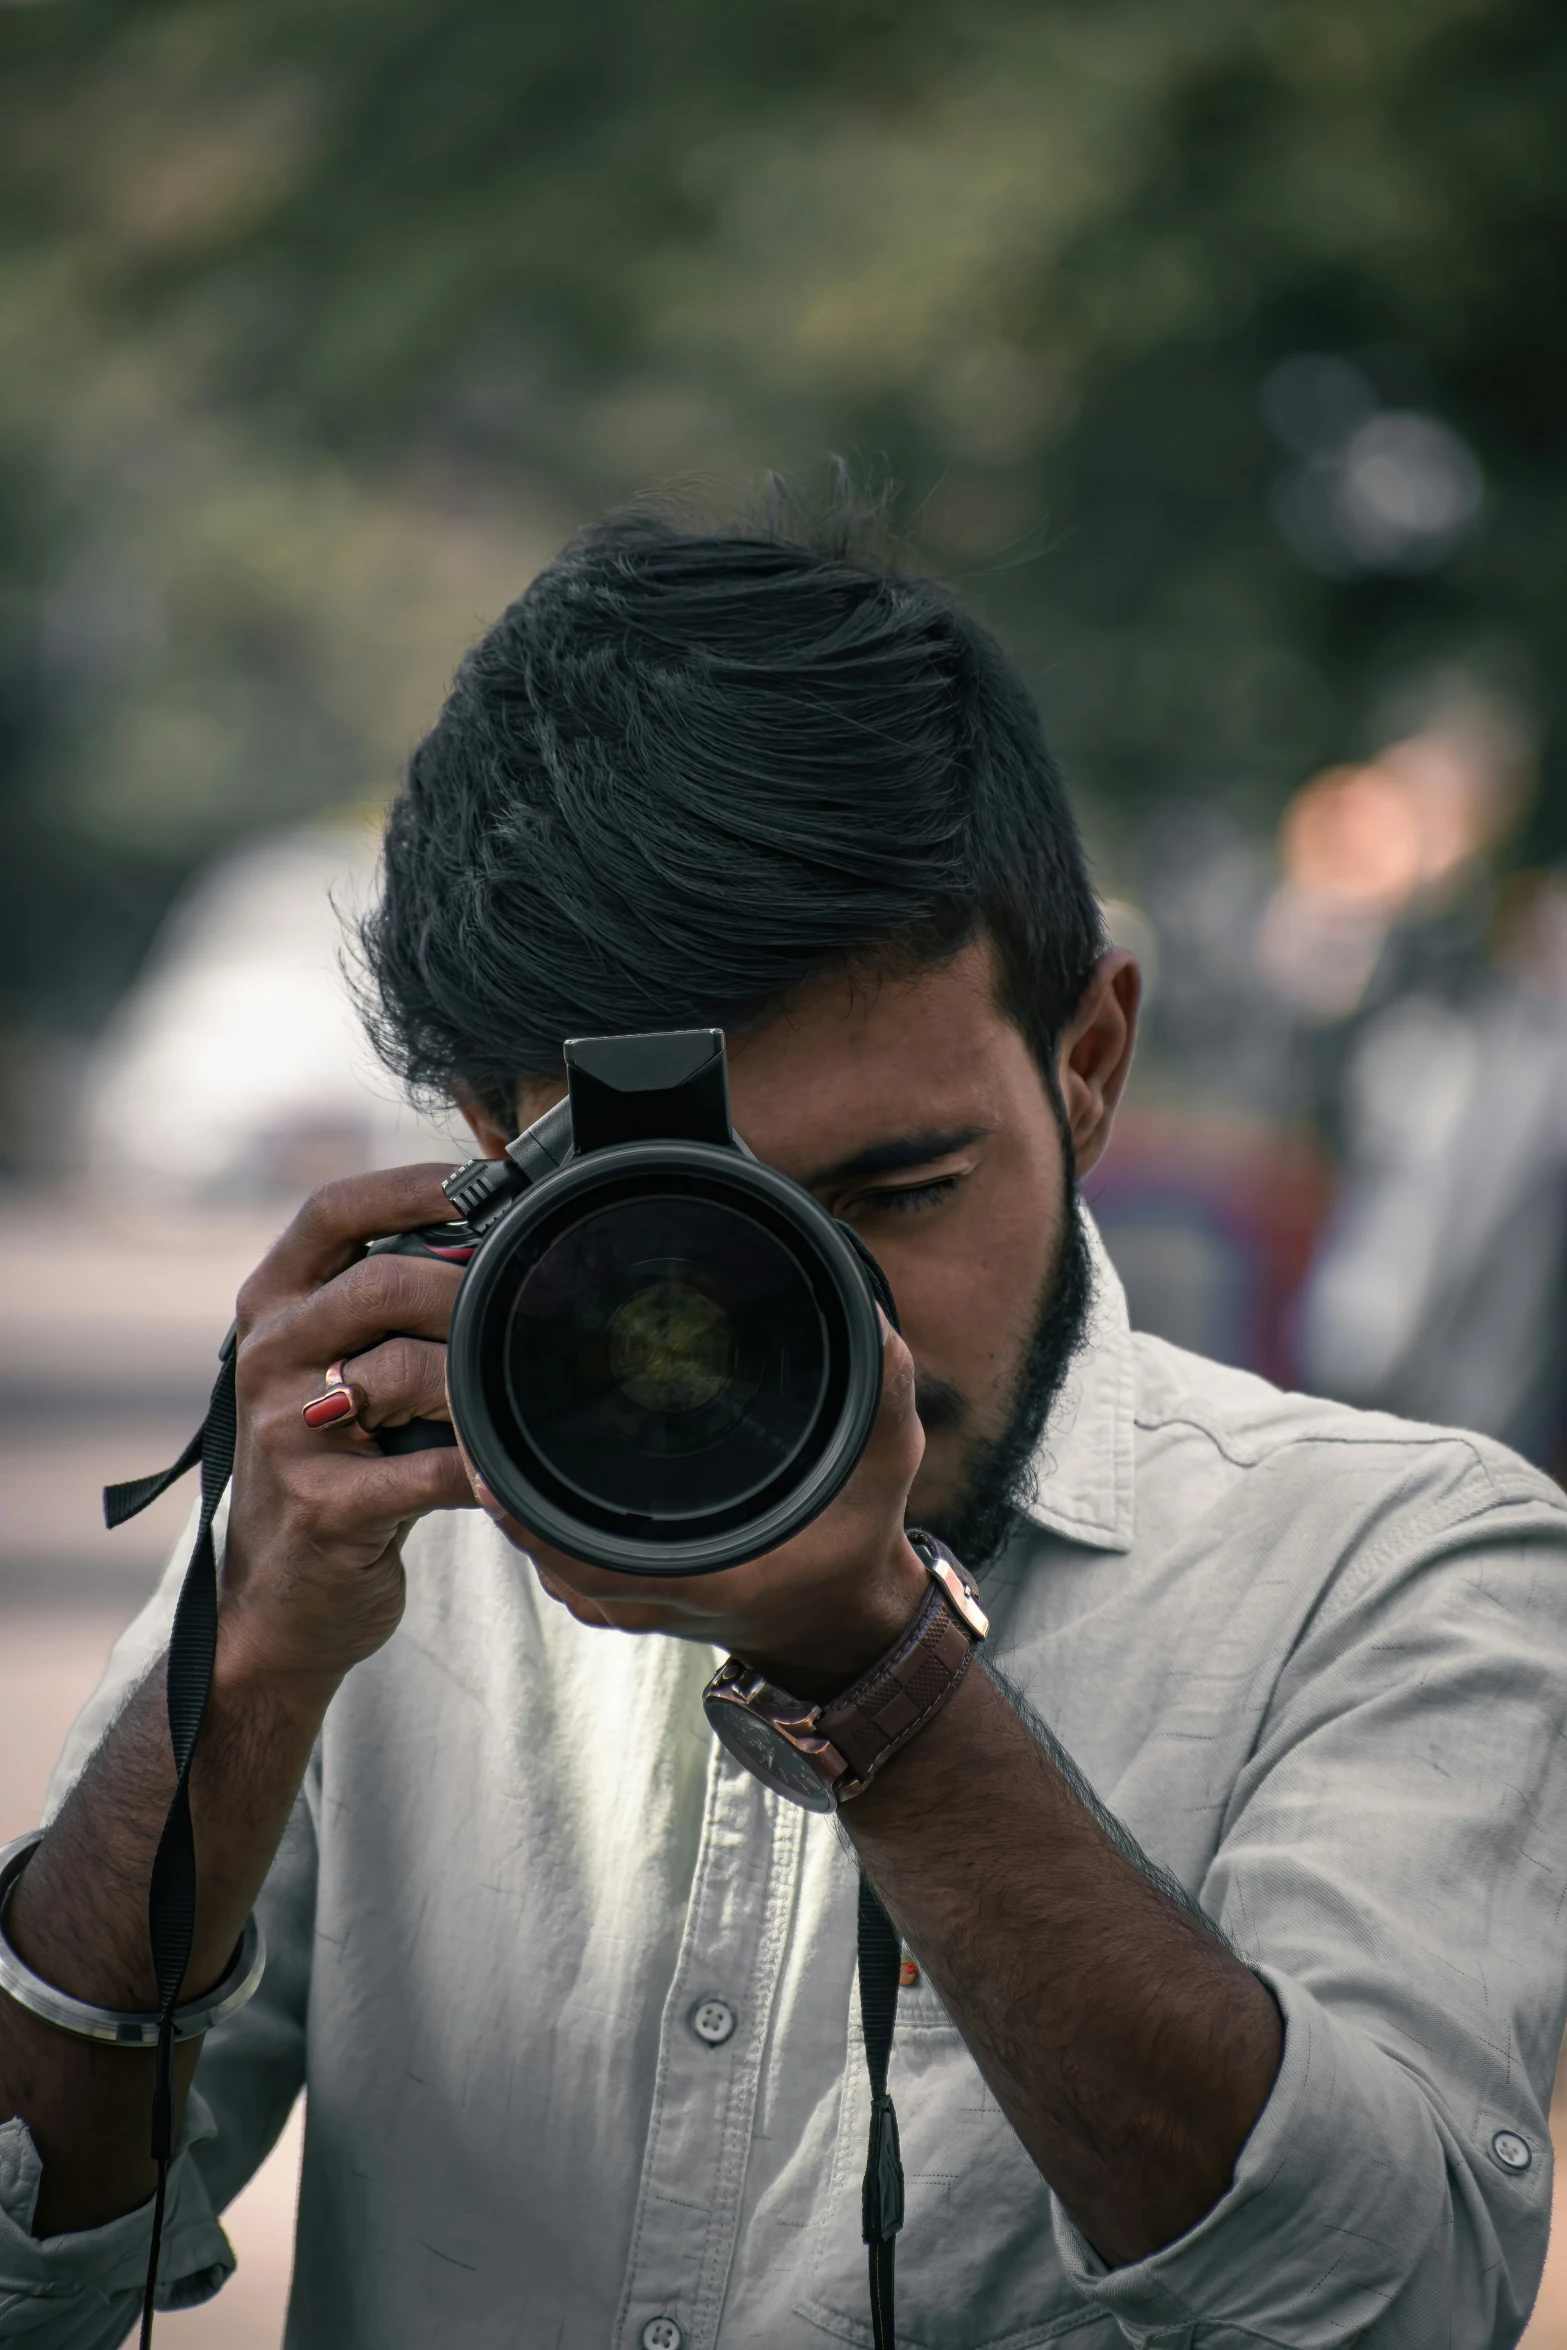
999, 1472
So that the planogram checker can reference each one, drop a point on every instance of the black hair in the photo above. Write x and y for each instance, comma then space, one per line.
689, 769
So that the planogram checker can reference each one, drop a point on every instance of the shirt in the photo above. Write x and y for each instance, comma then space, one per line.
573, 1995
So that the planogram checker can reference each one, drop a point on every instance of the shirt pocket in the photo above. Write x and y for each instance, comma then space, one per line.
977, 2267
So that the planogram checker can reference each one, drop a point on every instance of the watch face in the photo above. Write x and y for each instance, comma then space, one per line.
767, 1753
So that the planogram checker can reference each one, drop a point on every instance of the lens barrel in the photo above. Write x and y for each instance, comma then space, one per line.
665, 1357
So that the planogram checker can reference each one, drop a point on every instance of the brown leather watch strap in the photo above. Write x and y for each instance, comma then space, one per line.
899, 1694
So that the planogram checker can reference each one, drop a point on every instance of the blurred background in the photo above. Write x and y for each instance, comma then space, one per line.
1218, 354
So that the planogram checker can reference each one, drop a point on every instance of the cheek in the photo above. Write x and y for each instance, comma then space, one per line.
969, 1296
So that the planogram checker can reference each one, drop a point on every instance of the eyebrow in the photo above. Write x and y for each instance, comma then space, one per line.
901, 1152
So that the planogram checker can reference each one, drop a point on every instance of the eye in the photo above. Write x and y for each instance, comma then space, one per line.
910, 1198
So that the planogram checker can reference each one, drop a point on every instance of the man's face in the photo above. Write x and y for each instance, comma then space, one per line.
913, 1108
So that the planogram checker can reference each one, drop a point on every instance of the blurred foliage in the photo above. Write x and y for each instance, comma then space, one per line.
323, 321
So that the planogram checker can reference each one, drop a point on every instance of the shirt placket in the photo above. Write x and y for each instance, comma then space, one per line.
711, 2047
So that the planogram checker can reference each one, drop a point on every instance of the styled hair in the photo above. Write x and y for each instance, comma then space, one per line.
689, 769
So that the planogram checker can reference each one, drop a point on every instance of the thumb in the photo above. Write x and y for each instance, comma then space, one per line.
898, 1436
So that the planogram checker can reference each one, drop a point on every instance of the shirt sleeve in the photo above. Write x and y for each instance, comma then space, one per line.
83, 2291
1394, 1865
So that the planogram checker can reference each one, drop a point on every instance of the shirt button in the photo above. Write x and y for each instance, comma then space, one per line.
712, 2020
1511, 2151
661, 2333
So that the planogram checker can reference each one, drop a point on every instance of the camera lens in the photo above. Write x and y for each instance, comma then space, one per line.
666, 1357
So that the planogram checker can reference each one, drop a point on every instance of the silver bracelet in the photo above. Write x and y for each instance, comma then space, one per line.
121, 2030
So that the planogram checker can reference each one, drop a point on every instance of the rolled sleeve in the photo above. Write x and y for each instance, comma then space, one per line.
1354, 2215
83, 2291
1394, 1866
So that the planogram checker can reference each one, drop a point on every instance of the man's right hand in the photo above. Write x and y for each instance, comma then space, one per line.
312, 1582
312, 1574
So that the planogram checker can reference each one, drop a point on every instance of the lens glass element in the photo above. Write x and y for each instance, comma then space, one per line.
671, 1344
666, 1356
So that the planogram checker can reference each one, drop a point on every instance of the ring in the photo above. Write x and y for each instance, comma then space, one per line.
335, 1406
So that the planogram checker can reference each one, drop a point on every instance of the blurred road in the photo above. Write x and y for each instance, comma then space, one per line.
108, 1336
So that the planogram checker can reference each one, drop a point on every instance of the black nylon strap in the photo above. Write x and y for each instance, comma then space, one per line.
125, 1501
881, 1957
171, 1896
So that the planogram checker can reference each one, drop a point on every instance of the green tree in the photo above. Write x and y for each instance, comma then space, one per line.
323, 321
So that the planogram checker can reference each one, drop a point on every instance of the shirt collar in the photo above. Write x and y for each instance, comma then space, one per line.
1083, 1468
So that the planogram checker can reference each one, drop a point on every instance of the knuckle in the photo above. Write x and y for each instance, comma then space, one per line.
256, 1368
408, 1366
405, 1289
398, 1286
378, 1289
352, 1207
440, 1481
335, 1522
273, 1429
249, 1302
325, 1211
319, 1515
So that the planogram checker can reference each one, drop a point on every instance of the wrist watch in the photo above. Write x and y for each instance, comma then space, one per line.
820, 1756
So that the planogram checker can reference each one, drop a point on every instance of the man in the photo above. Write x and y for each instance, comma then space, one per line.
1258, 2052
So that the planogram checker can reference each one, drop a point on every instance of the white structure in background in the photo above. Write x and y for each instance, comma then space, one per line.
236, 1068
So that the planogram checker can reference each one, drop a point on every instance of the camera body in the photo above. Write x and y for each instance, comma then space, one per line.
664, 1356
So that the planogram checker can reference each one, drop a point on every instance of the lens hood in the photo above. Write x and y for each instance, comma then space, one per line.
664, 1356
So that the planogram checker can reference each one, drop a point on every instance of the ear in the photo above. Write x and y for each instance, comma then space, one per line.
481, 1122
1096, 1054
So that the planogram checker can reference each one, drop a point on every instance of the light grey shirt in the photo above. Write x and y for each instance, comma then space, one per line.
1315, 1660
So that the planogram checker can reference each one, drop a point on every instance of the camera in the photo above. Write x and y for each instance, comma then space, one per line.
664, 1355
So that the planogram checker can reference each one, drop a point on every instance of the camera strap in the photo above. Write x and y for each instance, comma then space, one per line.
171, 1899
171, 1896
881, 1961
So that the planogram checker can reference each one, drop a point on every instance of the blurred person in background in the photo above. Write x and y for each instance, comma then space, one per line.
1234, 1985
1440, 1289
1354, 1176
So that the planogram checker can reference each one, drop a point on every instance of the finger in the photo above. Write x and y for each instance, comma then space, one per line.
897, 1429
359, 1499
377, 1298
402, 1379
897, 1371
597, 1595
334, 1224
